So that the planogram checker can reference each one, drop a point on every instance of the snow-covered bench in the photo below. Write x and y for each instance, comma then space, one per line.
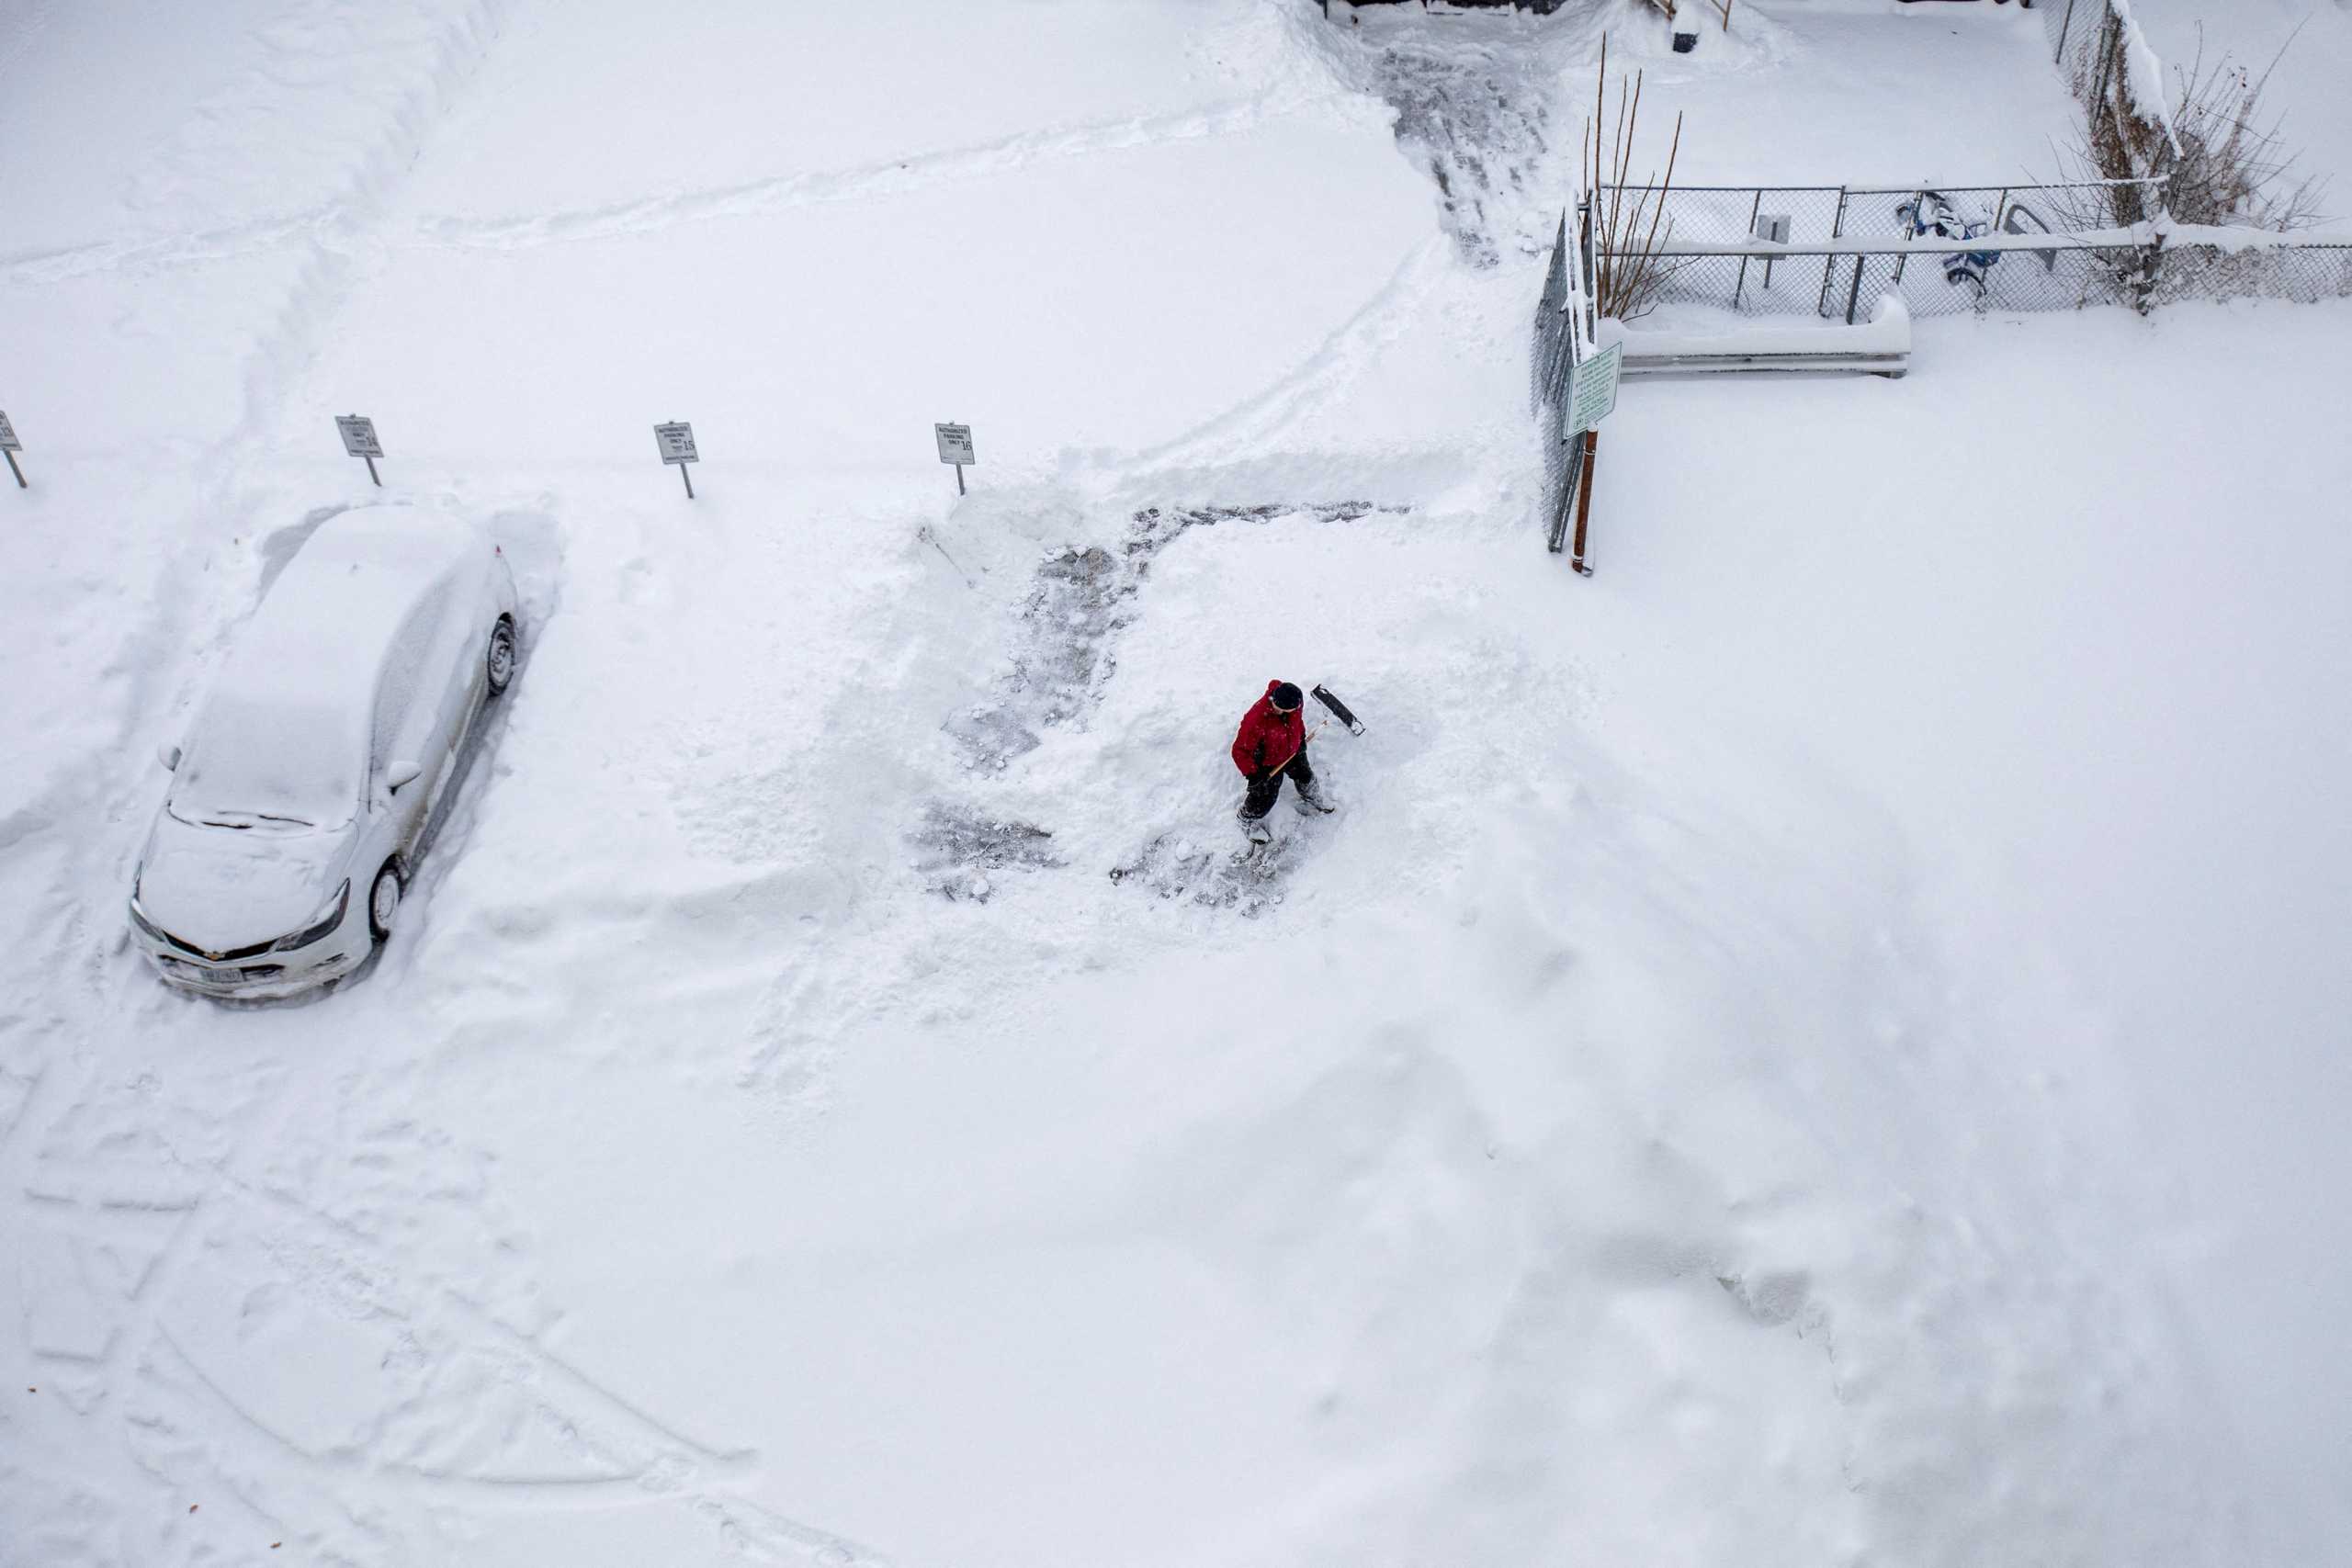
1880, 347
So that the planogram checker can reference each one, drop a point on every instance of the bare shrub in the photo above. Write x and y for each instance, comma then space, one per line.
2233, 167
2224, 162
1629, 275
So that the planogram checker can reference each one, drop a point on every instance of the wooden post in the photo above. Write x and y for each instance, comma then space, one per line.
1584, 503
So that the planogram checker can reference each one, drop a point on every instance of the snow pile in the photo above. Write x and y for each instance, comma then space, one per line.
1753, 1071
2143, 83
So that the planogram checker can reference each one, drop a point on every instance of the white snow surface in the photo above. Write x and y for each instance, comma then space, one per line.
1823, 1044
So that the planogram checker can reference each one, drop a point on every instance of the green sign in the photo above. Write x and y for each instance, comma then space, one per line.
1594, 393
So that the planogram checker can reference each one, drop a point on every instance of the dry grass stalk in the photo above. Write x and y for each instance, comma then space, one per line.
1629, 275
2224, 162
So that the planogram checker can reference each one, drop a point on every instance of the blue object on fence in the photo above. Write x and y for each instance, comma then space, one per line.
1932, 212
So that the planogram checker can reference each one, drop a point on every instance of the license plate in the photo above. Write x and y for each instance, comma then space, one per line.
218, 976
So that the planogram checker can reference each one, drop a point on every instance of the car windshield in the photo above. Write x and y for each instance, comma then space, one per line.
270, 766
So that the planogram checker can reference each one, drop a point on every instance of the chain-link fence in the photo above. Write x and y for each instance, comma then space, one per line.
1714, 214
2025, 265
2127, 127
1954, 250
2090, 42
1765, 284
1945, 277
1564, 339
2303, 271
2074, 29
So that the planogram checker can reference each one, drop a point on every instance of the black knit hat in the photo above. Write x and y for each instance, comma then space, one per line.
1285, 696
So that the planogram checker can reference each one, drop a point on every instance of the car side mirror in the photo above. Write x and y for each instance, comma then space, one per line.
169, 755
402, 772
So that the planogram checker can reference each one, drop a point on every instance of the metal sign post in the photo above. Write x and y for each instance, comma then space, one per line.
676, 441
1592, 397
358, 435
955, 446
9, 447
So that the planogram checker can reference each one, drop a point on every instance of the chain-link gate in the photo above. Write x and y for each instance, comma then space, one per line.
1564, 339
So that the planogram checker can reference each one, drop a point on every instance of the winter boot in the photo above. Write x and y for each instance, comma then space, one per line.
1256, 829
1308, 800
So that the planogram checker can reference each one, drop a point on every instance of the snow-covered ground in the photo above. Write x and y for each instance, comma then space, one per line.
1821, 1043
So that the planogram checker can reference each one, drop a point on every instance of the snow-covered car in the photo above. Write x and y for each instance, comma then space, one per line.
309, 782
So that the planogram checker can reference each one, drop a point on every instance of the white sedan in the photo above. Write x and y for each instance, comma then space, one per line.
310, 779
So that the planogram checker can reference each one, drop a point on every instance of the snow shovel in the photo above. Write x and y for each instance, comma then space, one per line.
1339, 710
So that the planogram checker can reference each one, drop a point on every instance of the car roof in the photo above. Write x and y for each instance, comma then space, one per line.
324, 625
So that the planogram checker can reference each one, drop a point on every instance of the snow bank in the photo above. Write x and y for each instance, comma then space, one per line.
1881, 344
2143, 74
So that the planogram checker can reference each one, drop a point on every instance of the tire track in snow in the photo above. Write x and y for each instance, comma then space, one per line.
35, 269
637, 1459
1257, 421
894, 177
75, 1164
347, 230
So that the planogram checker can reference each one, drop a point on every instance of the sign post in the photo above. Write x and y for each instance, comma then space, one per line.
955, 446
676, 441
1592, 397
358, 435
9, 447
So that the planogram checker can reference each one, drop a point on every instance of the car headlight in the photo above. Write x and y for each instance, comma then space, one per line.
329, 916
139, 916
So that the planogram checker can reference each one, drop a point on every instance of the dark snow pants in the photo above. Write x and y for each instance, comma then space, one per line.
1265, 788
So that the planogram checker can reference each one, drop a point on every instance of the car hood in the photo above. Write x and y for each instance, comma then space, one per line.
226, 887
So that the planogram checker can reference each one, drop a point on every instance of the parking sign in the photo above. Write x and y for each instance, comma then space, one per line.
358, 435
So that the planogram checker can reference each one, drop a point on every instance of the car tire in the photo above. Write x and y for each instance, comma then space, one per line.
384, 901
498, 660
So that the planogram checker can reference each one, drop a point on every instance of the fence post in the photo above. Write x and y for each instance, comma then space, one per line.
2151, 261
1836, 228
1854, 295
1591, 271
2107, 32
2064, 22
1753, 209
1919, 200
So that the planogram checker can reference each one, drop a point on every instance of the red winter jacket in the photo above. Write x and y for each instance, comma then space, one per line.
1269, 738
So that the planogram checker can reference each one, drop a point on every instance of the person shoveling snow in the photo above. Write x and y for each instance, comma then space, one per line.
1269, 747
